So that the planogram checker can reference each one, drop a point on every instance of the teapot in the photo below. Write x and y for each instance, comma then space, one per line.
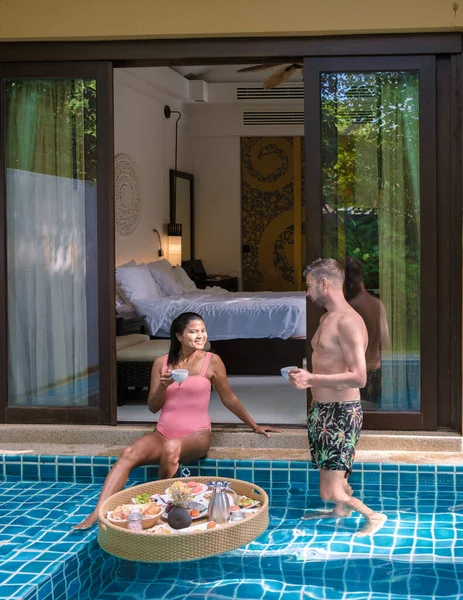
219, 504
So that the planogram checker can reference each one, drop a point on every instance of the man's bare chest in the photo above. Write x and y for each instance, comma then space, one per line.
325, 339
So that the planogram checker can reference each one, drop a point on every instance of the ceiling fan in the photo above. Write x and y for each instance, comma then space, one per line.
276, 78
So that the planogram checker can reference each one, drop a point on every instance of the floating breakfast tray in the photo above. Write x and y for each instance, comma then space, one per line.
149, 547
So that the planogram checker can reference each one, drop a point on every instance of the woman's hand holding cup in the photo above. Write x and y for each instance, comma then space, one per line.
166, 379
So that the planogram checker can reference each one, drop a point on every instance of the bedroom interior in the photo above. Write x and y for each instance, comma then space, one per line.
223, 166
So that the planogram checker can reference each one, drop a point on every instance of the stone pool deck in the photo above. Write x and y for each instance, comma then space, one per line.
232, 443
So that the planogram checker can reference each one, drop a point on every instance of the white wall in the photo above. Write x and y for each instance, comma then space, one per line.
142, 131
217, 170
208, 147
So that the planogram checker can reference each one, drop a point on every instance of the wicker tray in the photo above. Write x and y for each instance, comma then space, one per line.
145, 547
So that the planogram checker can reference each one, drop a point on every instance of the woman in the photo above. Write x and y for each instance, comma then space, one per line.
183, 433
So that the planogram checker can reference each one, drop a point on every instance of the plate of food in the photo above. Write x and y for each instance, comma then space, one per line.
244, 502
194, 487
151, 513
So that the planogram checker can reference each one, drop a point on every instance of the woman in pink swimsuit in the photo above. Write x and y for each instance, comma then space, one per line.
183, 433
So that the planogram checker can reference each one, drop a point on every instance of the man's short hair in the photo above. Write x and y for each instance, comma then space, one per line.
328, 268
354, 271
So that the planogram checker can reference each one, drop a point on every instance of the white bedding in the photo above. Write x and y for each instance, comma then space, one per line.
231, 315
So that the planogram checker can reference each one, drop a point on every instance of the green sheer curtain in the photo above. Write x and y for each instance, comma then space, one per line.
371, 211
50, 355
399, 236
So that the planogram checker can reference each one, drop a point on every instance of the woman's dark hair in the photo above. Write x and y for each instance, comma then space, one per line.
179, 324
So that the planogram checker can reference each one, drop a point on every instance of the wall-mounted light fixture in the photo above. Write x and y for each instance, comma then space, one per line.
174, 240
160, 252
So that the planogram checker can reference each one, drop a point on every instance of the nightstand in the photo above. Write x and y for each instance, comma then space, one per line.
224, 281
130, 323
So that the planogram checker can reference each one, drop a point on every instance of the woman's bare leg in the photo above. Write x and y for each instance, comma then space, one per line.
146, 450
185, 449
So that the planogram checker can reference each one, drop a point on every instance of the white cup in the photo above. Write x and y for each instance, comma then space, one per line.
180, 375
285, 371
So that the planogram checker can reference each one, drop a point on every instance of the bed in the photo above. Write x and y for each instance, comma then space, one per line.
255, 333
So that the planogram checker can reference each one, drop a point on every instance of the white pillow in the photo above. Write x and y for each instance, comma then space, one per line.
125, 308
182, 276
136, 283
163, 273
131, 263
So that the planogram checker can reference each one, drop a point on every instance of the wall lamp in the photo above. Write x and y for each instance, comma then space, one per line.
160, 252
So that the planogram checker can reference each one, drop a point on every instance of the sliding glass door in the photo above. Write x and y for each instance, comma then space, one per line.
371, 149
57, 207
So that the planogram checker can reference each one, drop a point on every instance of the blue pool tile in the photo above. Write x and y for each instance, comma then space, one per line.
227, 473
47, 472
66, 459
389, 467
244, 464
408, 468
30, 471
281, 475
440, 538
371, 467
100, 460
280, 464
83, 460
83, 471
12, 458
65, 471
297, 464
426, 468
13, 469
46, 458
152, 472
446, 468
244, 474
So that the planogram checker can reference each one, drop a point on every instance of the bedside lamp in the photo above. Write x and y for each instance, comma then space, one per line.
174, 241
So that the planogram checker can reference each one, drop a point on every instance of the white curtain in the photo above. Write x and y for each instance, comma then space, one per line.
49, 210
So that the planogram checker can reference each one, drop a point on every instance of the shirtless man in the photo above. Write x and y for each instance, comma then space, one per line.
372, 310
339, 371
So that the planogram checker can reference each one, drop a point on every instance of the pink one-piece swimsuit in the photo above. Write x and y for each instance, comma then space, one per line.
186, 408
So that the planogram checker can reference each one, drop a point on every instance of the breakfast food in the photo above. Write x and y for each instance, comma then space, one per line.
122, 512
245, 502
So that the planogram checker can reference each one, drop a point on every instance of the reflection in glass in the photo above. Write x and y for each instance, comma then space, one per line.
183, 214
371, 198
52, 243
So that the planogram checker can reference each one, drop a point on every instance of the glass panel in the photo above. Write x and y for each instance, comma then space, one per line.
371, 220
52, 242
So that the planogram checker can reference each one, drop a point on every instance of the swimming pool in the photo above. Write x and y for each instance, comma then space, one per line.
418, 554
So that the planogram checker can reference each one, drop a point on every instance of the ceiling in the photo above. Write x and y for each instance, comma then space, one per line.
229, 74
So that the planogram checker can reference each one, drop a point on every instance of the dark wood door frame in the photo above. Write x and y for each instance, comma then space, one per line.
106, 412
215, 51
143, 53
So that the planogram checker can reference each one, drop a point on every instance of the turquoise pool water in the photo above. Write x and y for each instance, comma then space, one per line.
418, 554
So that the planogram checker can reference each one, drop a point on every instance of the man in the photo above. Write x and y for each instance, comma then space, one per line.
372, 311
339, 371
